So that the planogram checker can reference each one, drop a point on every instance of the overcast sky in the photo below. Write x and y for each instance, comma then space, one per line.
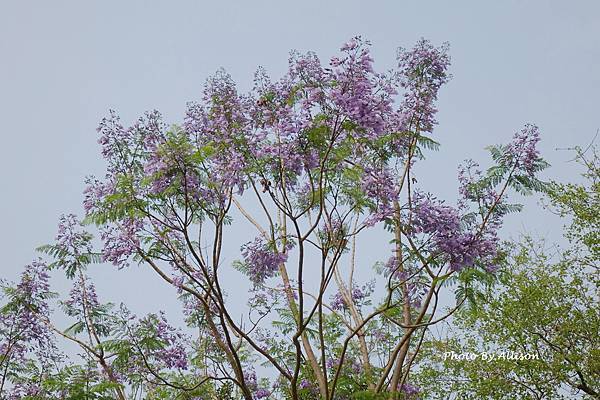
64, 64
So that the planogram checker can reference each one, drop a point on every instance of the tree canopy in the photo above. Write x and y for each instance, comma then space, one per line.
312, 162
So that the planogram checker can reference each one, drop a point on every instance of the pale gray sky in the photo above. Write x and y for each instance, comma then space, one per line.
64, 63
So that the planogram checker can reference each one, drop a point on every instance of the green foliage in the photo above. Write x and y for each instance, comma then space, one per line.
70, 263
581, 202
78, 383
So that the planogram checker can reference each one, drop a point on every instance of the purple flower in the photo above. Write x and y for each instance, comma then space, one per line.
121, 241
408, 276
331, 363
410, 390
379, 335
262, 259
95, 193
423, 71
24, 335
337, 302
380, 186
362, 95
121, 145
221, 121
71, 237
25, 390
305, 384
309, 386
170, 167
171, 351
262, 393
358, 296
472, 187
442, 224
83, 294
523, 149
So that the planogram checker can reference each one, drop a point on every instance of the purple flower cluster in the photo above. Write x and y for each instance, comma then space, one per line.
25, 390
158, 167
123, 149
423, 70
309, 387
23, 332
95, 192
333, 227
121, 146
121, 241
262, 259
380, 186
82, 295
126, 151
471, 189
174, 355
408, 276
460, 247
252, 383
71, 235
337, 302
32, 292
358, 294
364, 96
261, 393
410, 390
172, 352
113, 136
523, 149
221, 121
379, 335
282, 114
351, 363
169, 167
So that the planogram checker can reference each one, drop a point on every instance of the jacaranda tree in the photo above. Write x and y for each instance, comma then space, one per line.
311, 162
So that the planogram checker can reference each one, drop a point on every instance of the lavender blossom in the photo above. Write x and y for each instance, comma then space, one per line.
358, 296
24, 334
410, 390
71, 236
171, 350
262, 260
121, 242
359, 92
423, 71
442, 223
523, 149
